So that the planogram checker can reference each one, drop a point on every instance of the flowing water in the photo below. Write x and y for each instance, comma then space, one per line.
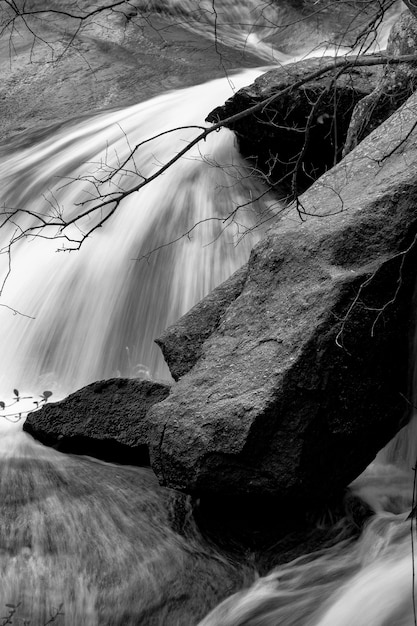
99, 543
98, 310
85, 542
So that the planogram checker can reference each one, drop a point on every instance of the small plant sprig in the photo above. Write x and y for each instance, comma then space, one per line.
17, 415
8, 619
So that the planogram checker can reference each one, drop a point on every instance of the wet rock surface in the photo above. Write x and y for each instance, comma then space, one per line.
304, 378
300, 134
268, 364
120, 58
105, 419
394, 87
182, 343
136, 52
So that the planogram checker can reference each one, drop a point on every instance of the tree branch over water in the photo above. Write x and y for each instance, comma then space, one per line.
104, 205
104, 188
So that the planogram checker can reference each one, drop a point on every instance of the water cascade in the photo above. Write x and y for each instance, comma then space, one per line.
98, 310
84, 542
75, 539
369, 581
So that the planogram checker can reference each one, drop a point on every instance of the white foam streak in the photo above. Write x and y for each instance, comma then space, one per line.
380, 595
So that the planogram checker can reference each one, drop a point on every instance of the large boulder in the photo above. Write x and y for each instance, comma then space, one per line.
282, 139
304, 378
105, 419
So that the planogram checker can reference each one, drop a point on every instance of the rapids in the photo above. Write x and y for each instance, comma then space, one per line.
99, 543
84, 542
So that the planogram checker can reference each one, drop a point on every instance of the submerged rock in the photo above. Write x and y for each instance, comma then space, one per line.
301, 134
105, 419
304, 377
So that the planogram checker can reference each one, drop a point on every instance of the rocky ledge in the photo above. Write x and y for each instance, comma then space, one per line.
301, 133
105, 419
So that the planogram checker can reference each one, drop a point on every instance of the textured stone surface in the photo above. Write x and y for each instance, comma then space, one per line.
105, 419
412, 5
284, 137
300, 384
182, 343
395, 85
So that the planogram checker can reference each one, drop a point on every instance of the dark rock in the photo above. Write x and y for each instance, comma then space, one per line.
395, 86
105, 419
260, 526
302, 381
283, 139
182, 343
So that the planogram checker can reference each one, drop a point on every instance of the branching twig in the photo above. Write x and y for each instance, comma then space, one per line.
110, 201
380, 310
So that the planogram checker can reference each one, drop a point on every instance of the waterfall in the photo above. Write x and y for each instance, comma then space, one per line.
84, 542
94, 313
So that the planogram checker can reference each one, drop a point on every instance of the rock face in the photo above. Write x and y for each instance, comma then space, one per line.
139, 50
118, 58
282, 140
412, 6
105, 419
395, 86
300, 382
182, 344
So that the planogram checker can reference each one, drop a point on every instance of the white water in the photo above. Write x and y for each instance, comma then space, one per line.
99, 541
95, 537
98, 310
